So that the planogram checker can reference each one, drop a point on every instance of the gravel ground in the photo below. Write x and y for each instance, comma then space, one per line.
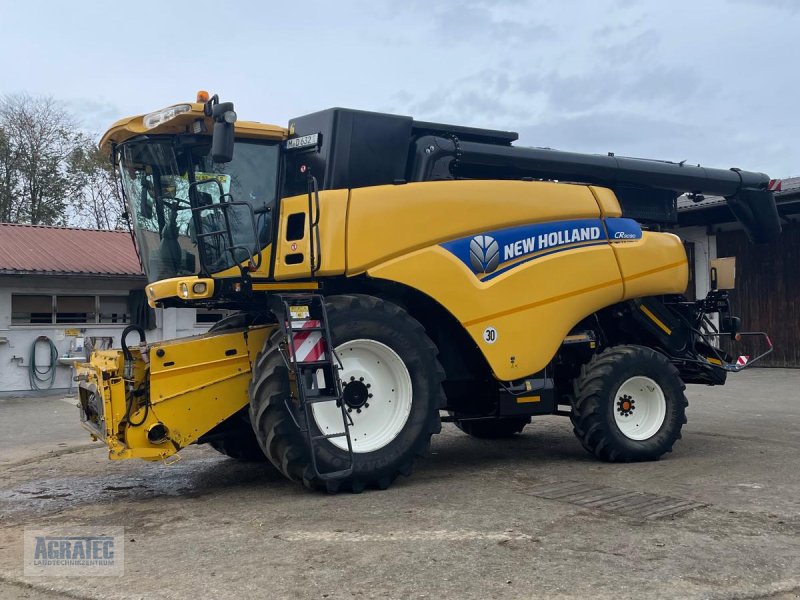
519, 518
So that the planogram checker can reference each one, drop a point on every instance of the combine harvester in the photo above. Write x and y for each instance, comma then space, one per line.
386, 274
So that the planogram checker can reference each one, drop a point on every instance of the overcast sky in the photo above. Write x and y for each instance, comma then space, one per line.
710, 81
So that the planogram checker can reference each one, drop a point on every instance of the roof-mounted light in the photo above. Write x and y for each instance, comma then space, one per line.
154, 119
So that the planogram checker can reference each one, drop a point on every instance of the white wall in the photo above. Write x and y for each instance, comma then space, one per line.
16, 340
705, 249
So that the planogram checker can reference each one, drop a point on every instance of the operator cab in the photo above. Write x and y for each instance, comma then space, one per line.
177, 197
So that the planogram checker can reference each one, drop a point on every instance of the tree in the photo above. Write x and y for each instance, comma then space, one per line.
37, 137
51, 172
96, 202
8, 179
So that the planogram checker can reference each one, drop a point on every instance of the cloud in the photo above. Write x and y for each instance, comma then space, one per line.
93, 115
619, 132
710, 81
712, 144
471, 22
791, 6
476, 22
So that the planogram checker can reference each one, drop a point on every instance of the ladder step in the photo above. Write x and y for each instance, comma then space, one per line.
336, 474
313, 363
318, 399
329, 436
315, 322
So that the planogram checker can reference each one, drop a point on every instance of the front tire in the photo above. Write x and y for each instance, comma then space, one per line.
629, 405
368, 333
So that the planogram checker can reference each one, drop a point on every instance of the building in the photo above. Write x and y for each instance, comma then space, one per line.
767, 276
77, 288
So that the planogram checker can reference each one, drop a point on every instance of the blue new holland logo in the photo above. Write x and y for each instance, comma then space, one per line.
494, 252
484, 255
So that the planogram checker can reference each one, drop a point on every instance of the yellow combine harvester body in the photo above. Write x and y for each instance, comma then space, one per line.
504, 272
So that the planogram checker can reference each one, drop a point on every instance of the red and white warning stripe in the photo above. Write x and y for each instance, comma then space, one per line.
774, 185
742, 360
308, 345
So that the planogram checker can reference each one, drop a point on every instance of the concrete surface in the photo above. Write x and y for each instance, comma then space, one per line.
465, 525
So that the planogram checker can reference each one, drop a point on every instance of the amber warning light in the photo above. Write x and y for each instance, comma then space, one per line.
202, 96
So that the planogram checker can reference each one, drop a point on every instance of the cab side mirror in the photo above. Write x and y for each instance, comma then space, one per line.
223, 137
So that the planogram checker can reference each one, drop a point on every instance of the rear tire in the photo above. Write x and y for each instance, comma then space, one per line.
493, 429
629, 405
392, 448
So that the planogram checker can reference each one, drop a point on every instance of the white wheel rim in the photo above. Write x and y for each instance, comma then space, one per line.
639, 408
384, 375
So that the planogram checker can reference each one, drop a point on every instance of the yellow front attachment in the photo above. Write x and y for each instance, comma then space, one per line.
178, 391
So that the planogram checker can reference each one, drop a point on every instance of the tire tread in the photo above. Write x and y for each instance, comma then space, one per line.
596, 431
285, 445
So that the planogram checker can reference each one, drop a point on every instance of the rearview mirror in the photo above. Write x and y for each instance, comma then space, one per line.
223, 136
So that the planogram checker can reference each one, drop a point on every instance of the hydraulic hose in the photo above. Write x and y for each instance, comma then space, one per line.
126, 353
42, 378
132, 394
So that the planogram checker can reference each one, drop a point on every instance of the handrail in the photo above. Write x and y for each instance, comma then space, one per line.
225, 202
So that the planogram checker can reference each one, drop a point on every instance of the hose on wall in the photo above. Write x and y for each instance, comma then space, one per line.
42, 378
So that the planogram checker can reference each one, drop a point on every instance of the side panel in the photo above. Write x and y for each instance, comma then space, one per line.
607, 201
519, 318
194, 384
393, 220
517, 263
655, 264
197, 383
293, 243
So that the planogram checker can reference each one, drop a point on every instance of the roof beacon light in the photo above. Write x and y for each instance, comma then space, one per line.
202, 96
154, 119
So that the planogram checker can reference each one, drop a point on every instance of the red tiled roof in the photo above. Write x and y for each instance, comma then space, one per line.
64, 250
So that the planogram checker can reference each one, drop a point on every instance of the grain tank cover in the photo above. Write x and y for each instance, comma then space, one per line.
346, 149
357, 148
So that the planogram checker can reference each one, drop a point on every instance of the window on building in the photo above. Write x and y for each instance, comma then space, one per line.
203, 316
114, 309
31, 309
48, 309
76, 309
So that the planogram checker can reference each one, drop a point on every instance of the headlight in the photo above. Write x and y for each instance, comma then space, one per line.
184, 290
154, 119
